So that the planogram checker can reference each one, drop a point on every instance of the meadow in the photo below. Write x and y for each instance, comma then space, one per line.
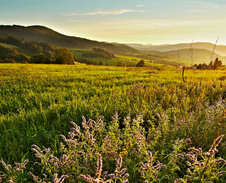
117, 61
155, 127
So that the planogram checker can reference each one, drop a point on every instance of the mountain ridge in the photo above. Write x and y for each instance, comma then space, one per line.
44, 34
220, 49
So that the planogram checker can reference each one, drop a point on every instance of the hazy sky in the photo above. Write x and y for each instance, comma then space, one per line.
131, 21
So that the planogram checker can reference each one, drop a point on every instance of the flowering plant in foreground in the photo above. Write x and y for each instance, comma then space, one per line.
119, 152
105, 177
16, 173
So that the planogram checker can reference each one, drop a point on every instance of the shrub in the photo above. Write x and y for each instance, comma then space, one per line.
140, 63
93, 150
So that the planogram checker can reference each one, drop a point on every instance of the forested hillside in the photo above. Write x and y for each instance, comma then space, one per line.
46, 35
21, 51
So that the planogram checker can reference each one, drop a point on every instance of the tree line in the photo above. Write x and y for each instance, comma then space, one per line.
37, 52
99, 52
211, 66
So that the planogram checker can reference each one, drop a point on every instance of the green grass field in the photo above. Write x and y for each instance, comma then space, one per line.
38, 102
127, 60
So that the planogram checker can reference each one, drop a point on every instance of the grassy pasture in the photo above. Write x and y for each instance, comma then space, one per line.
128, 60
37, 103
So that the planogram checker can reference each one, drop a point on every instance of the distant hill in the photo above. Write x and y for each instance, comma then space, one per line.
47, 35
220, 49
199, 55
182, 57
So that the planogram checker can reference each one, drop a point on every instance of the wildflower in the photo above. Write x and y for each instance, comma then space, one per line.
74, 124
7, 167
90, 123
97, 181
143, 166
104, 175
87, 178
76, 130
194, 150
200, 151
36, 147
25, 162
115, 117
84, 119
221, 173
158, 166
60, 180
99, 166
71, 135
119, 165
46, 149
192, 157
35, 178
37, 150
188, 163
150, 157
99, 120
2, 176
181, 155
64, 158
111, 176
122, 172
213, 149
219, 161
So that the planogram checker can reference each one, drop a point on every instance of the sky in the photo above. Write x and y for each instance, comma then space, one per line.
124, 21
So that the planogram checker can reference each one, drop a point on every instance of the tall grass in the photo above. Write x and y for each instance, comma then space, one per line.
39, 101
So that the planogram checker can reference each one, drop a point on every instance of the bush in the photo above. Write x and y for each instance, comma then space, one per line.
140, 63
64, 56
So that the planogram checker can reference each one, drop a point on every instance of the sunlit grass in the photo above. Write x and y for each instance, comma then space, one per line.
39, 101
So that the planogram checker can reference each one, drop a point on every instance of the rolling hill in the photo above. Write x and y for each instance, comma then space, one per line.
181, 53
199, 55
47, 35
159, 54
220, 49
183, 56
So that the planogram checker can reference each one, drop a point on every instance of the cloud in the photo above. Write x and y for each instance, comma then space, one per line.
111, 12
105, 12
140, 5
69, 14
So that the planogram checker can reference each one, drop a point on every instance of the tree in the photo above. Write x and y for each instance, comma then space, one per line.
64, 56
140, 63
100, 63
217, 63
40, 59
210, 66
